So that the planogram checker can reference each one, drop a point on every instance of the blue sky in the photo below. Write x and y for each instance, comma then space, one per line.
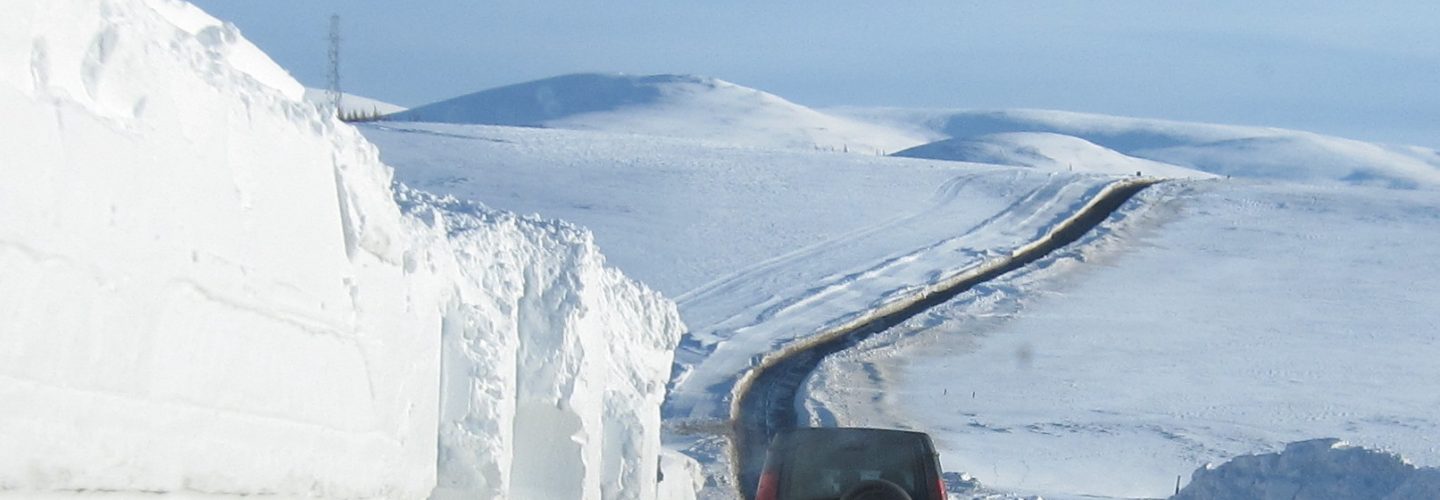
1369, 70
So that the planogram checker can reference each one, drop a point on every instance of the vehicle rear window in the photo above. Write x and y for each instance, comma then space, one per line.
823, 465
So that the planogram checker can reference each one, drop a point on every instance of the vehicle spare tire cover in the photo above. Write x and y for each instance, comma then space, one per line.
875, 489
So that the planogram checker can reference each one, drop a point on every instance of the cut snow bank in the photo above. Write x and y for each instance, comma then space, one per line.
210, 290
553, 364
1319, 469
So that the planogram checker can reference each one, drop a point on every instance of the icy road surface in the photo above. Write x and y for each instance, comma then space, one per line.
1224, 318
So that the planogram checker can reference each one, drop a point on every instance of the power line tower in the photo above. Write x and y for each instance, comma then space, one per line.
333, 90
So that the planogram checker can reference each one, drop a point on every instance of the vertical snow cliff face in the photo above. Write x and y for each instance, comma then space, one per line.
547, 354
208, 288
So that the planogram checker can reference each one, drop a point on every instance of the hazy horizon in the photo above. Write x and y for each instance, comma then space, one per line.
1363, 71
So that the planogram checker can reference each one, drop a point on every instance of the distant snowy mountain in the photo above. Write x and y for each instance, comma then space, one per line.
670, 106
1251, 152
352, 103
712, 110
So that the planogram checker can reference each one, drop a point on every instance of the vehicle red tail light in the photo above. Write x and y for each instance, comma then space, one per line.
940, 488
769, 486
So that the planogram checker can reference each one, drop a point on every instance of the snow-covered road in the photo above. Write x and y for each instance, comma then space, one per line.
1220, 318
766, 394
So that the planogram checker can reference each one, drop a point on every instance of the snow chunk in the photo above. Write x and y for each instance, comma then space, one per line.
553, 363
1315, 469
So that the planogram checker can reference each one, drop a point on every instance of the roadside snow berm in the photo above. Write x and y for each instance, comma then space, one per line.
1318, 469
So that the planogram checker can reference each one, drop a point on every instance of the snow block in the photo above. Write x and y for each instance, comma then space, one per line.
553, 363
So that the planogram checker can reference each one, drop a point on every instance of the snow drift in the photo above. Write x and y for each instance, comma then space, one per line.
1318, 469
210, 289
665, 105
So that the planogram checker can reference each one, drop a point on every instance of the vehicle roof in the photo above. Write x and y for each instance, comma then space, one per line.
841, 436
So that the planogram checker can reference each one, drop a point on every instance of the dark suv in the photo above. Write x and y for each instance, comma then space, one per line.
851, 464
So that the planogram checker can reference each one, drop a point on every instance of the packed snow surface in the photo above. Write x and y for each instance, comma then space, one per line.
667, 105
1212, 320
210, 290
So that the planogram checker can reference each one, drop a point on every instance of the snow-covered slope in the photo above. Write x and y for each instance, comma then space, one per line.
761, 248
210, 290
666, 105
351, 103
1212, 319
1046, 151
1246, 152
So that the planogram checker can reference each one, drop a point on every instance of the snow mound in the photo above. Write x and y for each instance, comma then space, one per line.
351, 103
211, 288
1250, 152
1319, 469
665, 105
1046, 151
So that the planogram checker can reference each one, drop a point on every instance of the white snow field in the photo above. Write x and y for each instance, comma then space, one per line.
1225, 150
761, 248
1214, 319
683, 106
764, 248
211, 289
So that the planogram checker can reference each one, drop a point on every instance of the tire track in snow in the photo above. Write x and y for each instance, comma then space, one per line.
764, 400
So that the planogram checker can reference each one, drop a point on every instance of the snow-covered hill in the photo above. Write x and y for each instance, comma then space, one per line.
1047, 151
666, 105
714, 110
209, 288
1242, 152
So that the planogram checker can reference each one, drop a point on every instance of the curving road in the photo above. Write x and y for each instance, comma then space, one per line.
767, 405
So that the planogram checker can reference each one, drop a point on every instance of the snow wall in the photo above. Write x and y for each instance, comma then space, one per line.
209, 287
